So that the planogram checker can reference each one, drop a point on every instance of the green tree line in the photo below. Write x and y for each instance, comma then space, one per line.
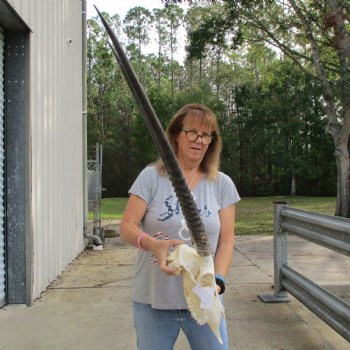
314, 34
271, 110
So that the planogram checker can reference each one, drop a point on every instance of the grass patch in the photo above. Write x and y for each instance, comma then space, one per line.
111, 208
254, 216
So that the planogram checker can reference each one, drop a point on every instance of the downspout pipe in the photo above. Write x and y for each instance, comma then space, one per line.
94, 238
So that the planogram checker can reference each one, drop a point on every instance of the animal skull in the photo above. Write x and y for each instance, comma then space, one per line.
199, 286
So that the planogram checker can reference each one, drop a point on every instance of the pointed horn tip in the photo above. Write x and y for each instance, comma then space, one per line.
105, 24
98, 12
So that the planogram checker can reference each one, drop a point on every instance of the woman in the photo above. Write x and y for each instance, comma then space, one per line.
154, 223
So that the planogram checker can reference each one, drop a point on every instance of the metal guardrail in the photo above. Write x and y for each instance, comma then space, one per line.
328, 231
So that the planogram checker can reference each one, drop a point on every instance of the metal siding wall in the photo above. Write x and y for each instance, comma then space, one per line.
2, 238
56, 128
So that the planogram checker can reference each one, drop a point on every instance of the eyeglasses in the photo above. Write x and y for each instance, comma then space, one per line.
192, 136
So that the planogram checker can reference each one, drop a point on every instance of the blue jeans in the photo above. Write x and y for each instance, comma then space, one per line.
159, 329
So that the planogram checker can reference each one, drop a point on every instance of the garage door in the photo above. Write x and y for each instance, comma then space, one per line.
2, 235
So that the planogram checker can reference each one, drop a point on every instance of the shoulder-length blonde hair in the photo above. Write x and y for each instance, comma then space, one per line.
210, 163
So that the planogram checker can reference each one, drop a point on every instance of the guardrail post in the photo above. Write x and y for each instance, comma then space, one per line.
280, 258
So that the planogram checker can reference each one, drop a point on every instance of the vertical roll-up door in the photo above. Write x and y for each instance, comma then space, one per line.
2, 235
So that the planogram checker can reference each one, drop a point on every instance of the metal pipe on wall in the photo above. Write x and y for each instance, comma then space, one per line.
84, 116
94, 238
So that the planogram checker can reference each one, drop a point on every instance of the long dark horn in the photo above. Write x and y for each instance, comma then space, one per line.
164, 148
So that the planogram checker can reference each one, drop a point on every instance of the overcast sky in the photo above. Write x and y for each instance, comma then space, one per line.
121, 7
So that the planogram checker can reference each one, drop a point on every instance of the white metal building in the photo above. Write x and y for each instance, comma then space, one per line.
42, 138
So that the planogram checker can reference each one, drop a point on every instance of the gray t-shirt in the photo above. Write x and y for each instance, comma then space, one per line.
150, 284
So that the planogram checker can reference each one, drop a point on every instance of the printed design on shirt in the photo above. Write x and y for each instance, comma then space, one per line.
173, 208
205, 212
183, 232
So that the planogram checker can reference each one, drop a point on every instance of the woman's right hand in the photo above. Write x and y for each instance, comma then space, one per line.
130, 233
160, 249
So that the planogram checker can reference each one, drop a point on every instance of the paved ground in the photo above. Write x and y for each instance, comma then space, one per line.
88, 306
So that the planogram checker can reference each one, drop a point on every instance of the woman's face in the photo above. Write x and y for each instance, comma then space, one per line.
192, 152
